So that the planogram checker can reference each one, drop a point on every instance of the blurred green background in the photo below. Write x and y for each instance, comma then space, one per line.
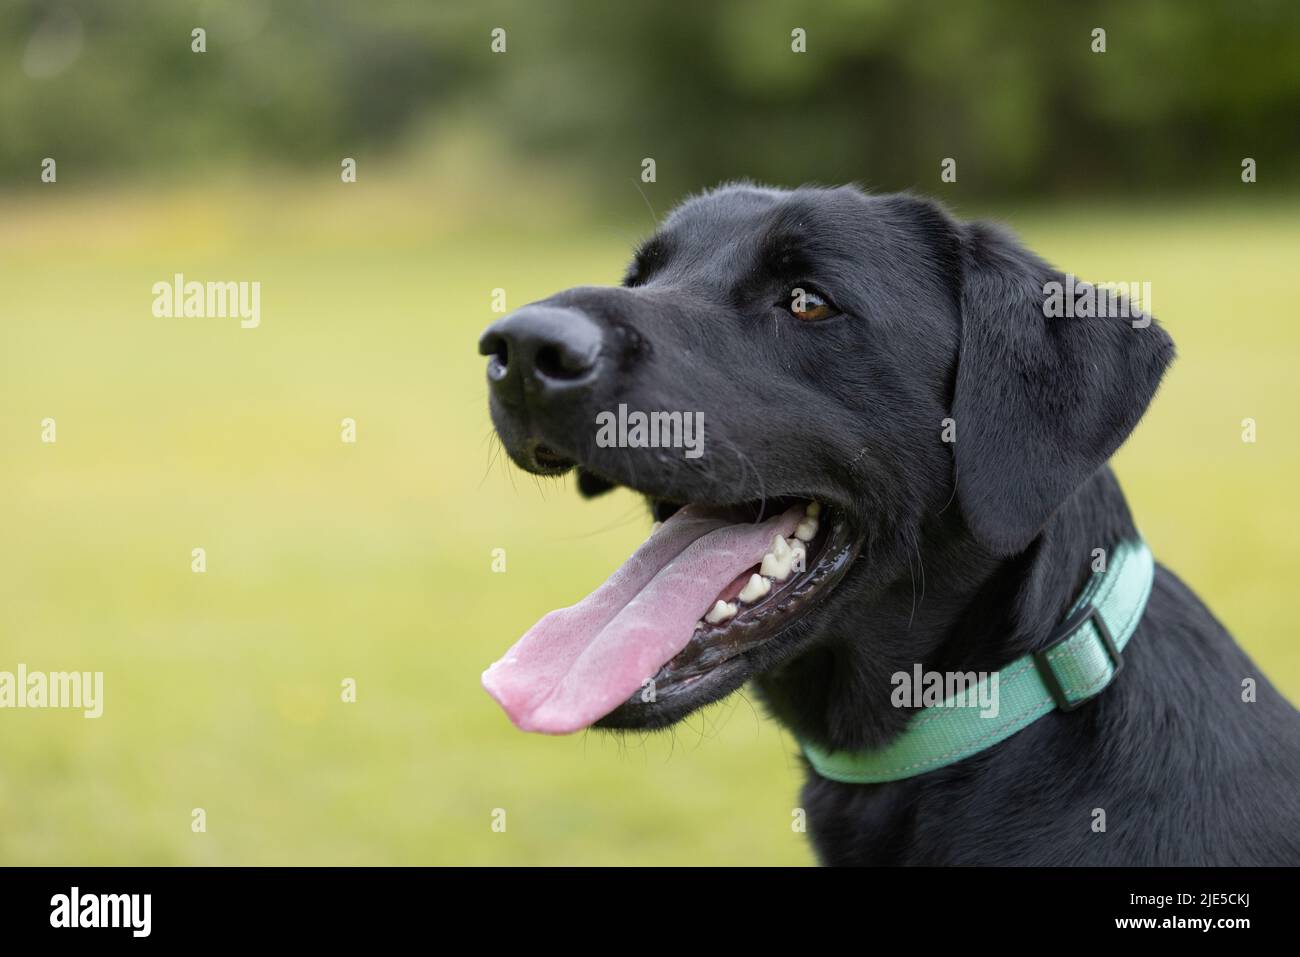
520, 171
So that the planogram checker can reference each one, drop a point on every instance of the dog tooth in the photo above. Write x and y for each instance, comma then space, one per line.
755, 588
806, 530
776, 563
720, 611
813, 510
798, 556
777, 568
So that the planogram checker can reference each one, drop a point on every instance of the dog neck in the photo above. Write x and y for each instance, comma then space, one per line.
957, 609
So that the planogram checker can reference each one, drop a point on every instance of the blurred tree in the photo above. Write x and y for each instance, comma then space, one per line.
1011, 89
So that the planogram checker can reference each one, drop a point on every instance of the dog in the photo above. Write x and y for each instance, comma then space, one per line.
904, 467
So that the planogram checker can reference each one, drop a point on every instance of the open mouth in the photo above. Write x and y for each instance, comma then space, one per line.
706, 589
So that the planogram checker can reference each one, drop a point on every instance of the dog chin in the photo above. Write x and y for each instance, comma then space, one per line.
645, 712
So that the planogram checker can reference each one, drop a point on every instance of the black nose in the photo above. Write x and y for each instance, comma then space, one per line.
541, 351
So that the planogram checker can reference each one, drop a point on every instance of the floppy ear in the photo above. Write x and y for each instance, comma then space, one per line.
1041, 401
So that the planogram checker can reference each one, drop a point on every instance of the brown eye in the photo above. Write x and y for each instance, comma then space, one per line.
809, 306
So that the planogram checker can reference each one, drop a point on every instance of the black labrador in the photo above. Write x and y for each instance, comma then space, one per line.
771, 349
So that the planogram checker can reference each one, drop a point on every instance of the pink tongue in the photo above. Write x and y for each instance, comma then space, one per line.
579, 663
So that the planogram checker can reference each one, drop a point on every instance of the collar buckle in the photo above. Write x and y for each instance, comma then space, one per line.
1063, 633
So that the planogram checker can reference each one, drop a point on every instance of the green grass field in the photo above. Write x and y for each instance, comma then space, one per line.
373, 561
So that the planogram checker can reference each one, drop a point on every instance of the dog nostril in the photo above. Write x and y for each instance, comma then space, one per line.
556, 362
539, 348
498, 353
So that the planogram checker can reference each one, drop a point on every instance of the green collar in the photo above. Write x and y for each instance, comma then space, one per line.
1081, 660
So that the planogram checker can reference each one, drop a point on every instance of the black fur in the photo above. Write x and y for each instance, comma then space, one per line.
972, 550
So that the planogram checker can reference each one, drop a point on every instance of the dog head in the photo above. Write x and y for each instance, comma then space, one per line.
798, 382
